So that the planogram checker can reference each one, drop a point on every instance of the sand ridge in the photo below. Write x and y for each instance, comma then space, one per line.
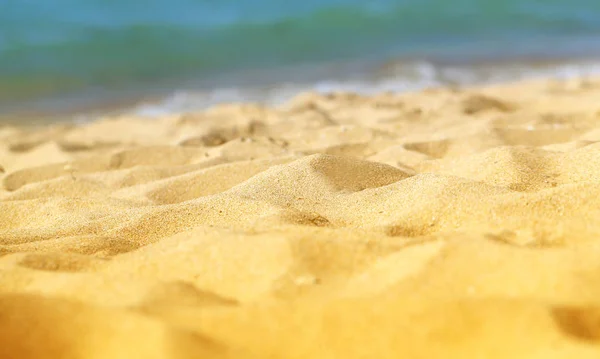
446, 223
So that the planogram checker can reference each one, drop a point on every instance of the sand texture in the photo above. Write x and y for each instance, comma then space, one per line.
449, 223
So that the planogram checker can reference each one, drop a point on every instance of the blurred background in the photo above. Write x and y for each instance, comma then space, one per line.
157, 56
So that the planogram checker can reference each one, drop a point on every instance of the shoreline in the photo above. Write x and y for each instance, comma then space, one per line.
272, 87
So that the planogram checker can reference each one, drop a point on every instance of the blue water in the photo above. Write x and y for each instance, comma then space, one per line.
65, 47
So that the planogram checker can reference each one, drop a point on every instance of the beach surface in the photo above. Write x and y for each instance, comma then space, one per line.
445, 223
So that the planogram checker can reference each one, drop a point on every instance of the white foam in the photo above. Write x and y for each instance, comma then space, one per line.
402, 77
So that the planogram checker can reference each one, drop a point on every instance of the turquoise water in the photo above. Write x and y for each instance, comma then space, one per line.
57, 48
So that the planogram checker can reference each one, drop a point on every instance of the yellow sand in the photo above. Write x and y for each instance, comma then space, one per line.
439, 224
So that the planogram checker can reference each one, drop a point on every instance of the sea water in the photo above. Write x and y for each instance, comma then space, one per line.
186, 54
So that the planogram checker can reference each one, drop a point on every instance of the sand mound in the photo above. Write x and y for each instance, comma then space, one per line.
439, 224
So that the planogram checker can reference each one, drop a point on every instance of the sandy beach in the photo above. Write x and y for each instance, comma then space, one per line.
445, 223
